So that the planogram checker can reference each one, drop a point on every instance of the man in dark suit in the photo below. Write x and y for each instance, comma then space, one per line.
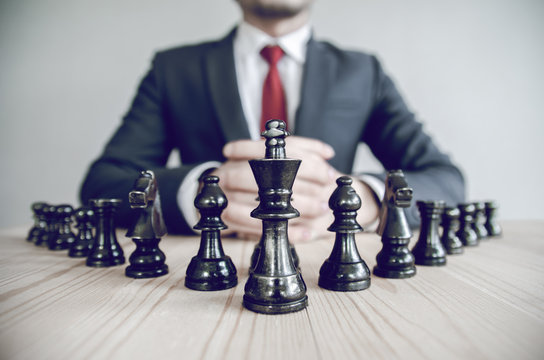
205, 100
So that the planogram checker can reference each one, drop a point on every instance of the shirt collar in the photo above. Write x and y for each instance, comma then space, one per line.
251, 40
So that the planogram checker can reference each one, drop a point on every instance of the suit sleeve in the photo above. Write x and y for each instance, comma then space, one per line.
399, 142
140, 143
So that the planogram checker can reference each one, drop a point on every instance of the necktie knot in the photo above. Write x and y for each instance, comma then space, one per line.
272, 54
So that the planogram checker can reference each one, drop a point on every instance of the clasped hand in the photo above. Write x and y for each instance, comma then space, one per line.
315, 182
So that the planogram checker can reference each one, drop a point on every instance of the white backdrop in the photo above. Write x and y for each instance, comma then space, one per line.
471, 69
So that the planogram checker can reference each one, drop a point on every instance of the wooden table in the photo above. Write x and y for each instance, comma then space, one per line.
485, 304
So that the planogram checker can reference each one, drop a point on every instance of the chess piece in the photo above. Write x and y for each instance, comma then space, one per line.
492, 226
479, 220
450, 226
428, 249
39, 222
147, 260
211, 269
105, 251
63, 237
275, 285
395, 260
466, 233
84, 237
344, 270
49, 214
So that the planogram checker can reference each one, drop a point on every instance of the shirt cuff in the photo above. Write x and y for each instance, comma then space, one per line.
378, 188
188, 189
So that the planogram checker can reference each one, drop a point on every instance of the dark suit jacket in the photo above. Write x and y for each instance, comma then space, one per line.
189, 100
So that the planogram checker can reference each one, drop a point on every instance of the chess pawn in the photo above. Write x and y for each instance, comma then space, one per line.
105, 250
450, 226
39, 222
211, 269
466, 233
275, 285
479, 220
395, 260
147, 260
344, 270
428, 249
492, 226
84, 238
63, 237
49, 214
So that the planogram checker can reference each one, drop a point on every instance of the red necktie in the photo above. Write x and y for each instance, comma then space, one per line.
274, 104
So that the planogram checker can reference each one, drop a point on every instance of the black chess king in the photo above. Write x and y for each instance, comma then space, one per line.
275, 285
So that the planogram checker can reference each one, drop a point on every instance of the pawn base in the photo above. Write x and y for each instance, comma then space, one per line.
145, 273
344, 276
344, 286
104, 262
272, 309
395, 273
455, 251
431, 261
211, 274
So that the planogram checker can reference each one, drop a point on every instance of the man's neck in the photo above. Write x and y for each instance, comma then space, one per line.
277, 27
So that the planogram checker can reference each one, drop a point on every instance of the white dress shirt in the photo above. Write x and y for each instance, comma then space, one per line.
251, 70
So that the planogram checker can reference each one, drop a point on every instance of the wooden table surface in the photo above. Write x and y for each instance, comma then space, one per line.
485, 304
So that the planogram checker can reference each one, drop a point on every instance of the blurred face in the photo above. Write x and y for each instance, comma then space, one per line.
275, 8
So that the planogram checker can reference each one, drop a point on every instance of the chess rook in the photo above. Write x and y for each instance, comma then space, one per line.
63, 237
211, 269
84, 237
147, 260
395, 260
479, 220
49, 214
450, 226
344, 270
492, 226
466, 233
39, 222
275, 285
428, 249
105, 251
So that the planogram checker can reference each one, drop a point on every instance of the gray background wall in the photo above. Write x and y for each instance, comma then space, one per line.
471, 69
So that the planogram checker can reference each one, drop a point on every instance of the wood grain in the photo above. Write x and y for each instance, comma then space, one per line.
485, 304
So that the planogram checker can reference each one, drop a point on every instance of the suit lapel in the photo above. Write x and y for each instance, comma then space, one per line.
223, 88
317, 81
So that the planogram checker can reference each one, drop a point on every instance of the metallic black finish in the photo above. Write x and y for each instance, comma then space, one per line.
147, 260
63, 238
479, 220
344, 270
39, 222
275, 285
395, 260
466, 233
450, 226
49, 215
211, 269
105, 251
492, 226
428, 249
84, 237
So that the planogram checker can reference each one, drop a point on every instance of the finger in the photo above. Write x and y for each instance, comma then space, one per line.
318, 147
244, 149
316, 170
310, 207
236, 176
